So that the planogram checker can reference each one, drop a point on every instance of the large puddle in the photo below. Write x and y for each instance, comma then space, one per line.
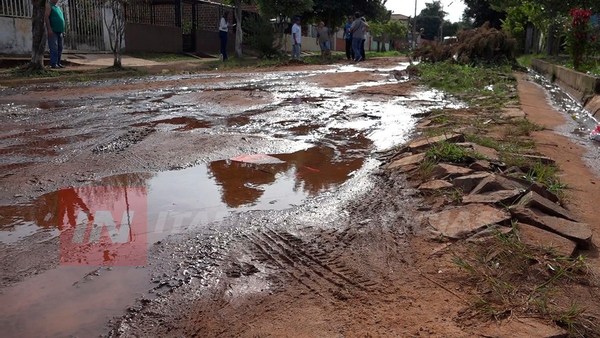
334, 131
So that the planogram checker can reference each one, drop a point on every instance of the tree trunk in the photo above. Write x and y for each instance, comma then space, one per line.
238, 28
38, 34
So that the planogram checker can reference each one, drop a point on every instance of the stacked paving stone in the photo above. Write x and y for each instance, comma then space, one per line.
494, 197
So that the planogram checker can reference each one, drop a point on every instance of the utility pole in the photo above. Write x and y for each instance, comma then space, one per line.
414, 28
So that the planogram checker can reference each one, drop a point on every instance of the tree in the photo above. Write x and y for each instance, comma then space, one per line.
116, 29
374, 10
284, 8
396, 32
548, 16
38, 36
239, 35
430, 20
481, 12
377, 31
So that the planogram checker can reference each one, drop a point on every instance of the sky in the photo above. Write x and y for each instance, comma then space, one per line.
454, 8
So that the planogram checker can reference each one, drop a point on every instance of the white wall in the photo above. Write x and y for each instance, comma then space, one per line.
15, 35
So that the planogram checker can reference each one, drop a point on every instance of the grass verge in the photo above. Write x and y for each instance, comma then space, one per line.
514, 279
478, 86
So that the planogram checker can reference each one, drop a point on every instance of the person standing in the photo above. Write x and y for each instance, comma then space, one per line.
348, 39
296, 39
55, 27
223, 32
363, 55
357, 29
324, 40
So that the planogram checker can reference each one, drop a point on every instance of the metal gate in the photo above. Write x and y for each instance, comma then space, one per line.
188, 26
85, 25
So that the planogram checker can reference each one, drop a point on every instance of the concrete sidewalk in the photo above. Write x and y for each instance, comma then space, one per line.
106, 60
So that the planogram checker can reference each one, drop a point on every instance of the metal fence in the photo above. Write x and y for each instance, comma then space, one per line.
16, 8
187, 14
84, 18
85, 24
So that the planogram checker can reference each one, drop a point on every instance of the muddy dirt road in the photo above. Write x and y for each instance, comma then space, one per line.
251, 184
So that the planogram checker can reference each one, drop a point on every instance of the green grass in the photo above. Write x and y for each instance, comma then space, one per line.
522, 127
478, 86
513, 279
525, 60
450, 152
389, 53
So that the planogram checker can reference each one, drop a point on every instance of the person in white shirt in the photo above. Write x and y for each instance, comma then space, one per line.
296, 39
223, 31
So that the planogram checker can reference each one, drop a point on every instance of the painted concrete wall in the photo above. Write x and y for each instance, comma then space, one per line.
583, 87
208, 42
150, 38
580, 85
15, 35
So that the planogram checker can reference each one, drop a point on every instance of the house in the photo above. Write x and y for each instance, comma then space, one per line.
172, 26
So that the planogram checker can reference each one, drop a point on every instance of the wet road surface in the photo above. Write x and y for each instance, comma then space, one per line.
214, 157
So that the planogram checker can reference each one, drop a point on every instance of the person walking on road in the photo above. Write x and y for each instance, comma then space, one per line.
55, 27
223, 32
296, 39
358, 30
348, 39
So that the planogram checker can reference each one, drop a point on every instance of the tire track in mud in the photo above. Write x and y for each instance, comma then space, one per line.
302, 262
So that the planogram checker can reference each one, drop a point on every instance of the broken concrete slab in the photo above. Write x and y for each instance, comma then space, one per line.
489, 153
408, 160
436, 185
511, 113
481, 165
535, 200
581, 233
425, 143
461, 221
445, 170
468, 182
496, 182
534, 236
489, 232
537, 158
506, 197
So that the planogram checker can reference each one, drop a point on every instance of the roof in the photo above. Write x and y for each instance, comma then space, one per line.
399, 17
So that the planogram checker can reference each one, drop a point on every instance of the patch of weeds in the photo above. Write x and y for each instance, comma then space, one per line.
425, 170
522, 127
511, 158
547, 175
512, 278
455, 195
389, 53
576, 322
482, 86
450, 152
525, 59
441, 119
21, 72
484, 141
